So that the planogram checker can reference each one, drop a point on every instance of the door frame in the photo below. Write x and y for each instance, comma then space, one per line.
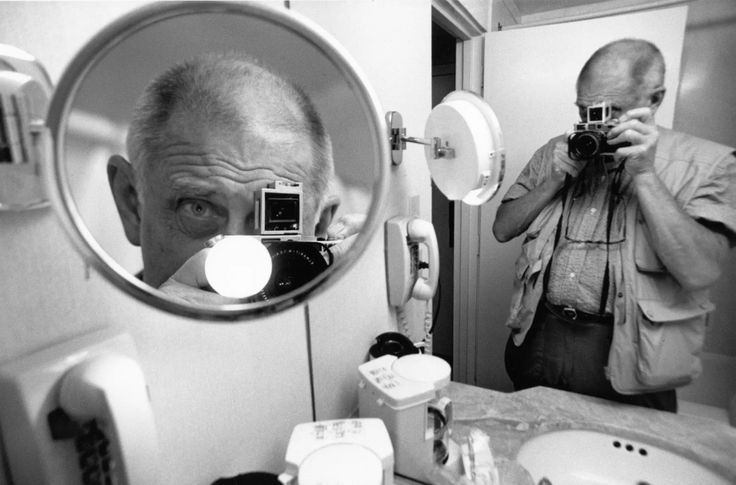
452, 16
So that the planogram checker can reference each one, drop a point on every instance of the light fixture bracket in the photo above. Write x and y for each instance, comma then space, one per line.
398, 140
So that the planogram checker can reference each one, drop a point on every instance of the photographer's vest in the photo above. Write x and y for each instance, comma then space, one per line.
659, 327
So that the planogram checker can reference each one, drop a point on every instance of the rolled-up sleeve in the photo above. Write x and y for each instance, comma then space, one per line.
714, 200
533, 173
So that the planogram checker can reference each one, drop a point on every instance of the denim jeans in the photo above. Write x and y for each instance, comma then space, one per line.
572, 355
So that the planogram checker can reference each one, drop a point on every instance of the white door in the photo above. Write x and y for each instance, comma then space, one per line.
530, 83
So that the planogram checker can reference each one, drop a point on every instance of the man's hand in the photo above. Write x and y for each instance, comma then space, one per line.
189, 283
636, 127
346, 228
563, 165
677, 238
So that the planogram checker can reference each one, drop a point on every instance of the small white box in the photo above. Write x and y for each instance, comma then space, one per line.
327, 447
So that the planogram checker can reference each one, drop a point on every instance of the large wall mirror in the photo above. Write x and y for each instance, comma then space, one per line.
93, 106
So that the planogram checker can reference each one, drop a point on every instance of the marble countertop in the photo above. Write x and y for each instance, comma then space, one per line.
510, 419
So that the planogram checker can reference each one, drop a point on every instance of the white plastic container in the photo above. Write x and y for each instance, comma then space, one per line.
403, 393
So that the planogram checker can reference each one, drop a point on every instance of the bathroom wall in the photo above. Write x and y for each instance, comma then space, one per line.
394, 39
225, 396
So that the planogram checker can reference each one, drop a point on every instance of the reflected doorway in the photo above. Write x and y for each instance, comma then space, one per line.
444, 81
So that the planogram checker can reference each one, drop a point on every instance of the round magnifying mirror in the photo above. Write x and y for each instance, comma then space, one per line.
200, 171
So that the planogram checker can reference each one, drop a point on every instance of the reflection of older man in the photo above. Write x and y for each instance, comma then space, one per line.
206, 135
619, 250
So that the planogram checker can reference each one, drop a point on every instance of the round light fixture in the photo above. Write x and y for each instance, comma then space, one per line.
238, 266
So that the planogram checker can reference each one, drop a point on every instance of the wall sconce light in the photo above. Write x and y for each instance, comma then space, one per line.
463, 147
25, 91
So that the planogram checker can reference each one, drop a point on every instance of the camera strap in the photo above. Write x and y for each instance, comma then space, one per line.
563, 195
612, 196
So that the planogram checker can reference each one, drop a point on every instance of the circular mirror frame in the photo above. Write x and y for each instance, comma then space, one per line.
61, 196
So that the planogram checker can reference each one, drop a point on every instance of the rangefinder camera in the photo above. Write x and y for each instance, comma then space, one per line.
590, 138
279, 214
279, 209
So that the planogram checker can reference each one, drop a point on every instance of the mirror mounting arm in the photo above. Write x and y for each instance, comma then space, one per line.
398, 140
438, 149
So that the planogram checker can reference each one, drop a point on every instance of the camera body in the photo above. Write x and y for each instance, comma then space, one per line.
296, 258
589, 139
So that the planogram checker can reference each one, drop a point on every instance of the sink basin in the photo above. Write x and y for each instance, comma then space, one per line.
573, 457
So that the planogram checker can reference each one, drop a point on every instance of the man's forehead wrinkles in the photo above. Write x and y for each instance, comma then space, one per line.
295, 171
587, 94
207, 178
228, 161
203, 161
202, 174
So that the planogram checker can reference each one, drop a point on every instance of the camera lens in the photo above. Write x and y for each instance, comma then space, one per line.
582, 146
294, 264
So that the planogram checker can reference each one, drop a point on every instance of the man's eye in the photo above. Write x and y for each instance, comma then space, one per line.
198, 218
197, 208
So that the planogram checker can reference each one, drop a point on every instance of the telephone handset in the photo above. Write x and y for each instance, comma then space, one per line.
78, 412
403, 237
422, 232
109, 391
392, 343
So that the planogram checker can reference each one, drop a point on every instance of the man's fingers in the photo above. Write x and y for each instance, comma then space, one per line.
186, 293
633, 125
191, 273
633, 132
626, 136
563, 163
346, 226
644, 115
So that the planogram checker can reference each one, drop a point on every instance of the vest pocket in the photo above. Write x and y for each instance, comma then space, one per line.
526, 287
670, 340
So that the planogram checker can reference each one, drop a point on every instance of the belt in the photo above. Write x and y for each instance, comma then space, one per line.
571, 314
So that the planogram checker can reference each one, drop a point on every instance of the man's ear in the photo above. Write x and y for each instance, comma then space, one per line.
121, 177
329, 208
655, 99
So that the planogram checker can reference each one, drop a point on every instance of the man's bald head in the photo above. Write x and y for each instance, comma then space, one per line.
640, 60
229, 92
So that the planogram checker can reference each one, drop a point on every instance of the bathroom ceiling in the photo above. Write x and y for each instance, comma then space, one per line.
529, 7
522, 8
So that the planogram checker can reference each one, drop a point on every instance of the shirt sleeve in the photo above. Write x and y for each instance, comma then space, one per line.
535, 171
715, 199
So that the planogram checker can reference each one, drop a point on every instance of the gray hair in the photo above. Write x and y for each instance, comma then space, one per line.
208, 87
644, 61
